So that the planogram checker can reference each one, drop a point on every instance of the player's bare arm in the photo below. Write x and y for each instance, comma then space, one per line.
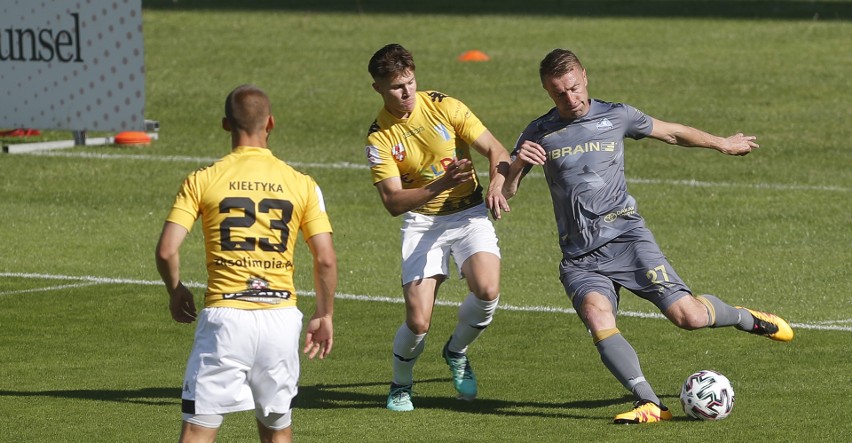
498, 159
181, 301
319, 339
682, 135
398, 201
530, 153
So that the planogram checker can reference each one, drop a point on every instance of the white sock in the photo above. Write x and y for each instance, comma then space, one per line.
407, 346
474, 316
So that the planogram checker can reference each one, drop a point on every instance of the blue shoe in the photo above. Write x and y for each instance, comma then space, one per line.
399, 399
463, 378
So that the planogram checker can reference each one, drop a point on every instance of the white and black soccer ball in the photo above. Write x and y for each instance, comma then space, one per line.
707, 395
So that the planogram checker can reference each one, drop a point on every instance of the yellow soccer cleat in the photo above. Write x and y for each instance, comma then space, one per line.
644, 412
771, 325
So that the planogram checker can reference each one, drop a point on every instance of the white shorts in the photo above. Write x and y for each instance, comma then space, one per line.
429, 240
243, 360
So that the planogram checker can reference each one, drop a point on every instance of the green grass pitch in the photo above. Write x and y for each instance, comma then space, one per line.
88, 352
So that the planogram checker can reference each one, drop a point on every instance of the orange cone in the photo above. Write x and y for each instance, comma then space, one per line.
132, 138
473, 55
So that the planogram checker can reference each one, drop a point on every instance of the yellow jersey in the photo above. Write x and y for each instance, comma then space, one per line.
251, 206
417, 148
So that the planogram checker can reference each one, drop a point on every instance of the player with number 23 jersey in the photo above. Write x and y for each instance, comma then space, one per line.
250, 225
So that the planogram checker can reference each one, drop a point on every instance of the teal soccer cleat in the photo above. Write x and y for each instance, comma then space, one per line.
399, 398
463, 378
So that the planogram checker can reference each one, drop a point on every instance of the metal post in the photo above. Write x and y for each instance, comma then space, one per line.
79, 138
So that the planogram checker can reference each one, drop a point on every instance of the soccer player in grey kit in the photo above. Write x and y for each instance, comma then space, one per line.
605, 244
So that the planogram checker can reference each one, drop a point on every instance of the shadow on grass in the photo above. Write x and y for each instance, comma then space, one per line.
750, 9
349, 396
144, 396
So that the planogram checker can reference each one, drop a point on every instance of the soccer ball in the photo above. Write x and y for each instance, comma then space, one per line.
707, 395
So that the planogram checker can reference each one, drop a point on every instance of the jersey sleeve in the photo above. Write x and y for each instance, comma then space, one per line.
380, 158
638, 125
467, 125
186, 208
315, 220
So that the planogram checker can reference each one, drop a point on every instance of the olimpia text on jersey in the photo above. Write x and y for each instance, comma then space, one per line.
248, 262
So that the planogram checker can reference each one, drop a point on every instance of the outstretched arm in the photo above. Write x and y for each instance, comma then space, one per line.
320, 335
498, 160
682, 135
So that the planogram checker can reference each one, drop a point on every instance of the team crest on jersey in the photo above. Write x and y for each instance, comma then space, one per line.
373, 155
604, 124
442, 130
398, 152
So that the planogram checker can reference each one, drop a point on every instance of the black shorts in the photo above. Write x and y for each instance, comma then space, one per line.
633, 261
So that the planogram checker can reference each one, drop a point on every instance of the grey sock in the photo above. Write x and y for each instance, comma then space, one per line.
621, 360
726, 315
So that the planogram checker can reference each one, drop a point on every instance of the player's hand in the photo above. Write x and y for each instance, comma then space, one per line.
531, 153
458, 171
496, 202
182, 304
319, 338
739, 144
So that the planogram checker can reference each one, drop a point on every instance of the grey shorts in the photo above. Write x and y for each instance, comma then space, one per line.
633, 261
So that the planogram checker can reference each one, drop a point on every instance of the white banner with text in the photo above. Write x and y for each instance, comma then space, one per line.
72, 65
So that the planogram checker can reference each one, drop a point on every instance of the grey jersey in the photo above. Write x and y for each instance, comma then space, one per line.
585, 172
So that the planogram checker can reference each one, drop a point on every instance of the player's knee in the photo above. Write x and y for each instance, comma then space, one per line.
210, 421
488, 292
275, 421
418, 325
688, 313
595, 314
690, 320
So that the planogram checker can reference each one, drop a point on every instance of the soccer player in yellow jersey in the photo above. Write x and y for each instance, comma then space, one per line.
252, 206
419, 154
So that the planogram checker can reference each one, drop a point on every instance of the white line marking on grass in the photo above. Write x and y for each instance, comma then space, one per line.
828, 325
348, 165
184, 158
772, 186
49, 288
820, 325
835, 322
89, 278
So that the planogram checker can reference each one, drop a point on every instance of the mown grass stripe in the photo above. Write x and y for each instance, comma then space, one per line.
349, 165
824, 325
